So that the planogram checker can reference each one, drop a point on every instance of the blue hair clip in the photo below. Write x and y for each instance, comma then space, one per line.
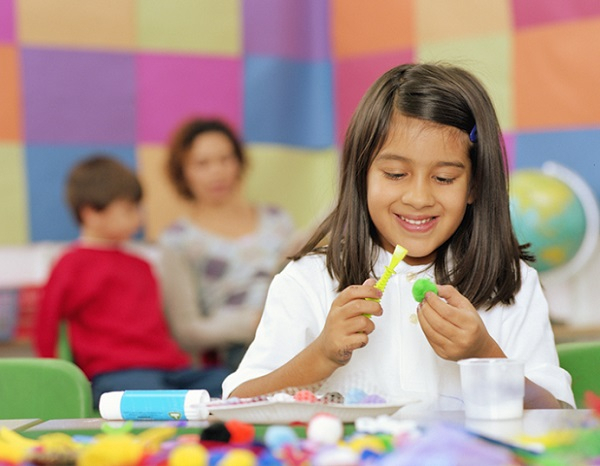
473, 134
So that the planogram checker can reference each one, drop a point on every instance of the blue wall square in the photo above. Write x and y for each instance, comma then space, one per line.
288, 102
575, 149
47, 170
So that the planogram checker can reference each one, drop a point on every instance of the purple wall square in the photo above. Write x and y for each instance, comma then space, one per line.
539, 12
78, 96
7, 18
174, 87
510, 141
296, 29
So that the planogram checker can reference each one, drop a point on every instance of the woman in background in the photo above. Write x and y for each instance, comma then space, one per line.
231, 246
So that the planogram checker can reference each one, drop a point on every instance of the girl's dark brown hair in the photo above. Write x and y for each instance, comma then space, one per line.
481, 259
182, 141
97, 181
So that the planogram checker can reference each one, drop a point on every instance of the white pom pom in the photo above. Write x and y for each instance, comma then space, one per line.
325, 429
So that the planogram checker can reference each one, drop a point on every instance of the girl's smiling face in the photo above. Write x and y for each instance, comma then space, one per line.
418, 186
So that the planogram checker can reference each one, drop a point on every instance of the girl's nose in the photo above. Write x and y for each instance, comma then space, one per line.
418, 194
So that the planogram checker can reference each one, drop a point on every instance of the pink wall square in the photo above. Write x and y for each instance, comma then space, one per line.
510, 145
7, 17
539, 12
175, 87
353, 76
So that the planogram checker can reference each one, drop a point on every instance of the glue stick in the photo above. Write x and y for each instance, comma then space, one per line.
155, 405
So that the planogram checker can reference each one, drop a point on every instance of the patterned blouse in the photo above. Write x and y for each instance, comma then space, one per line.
233, 273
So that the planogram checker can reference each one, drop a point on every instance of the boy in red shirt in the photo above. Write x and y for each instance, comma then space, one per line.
109, 297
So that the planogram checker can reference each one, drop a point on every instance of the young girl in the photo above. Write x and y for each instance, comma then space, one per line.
423, 167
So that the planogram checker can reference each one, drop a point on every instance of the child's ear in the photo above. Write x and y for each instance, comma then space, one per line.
87, 214
472, 195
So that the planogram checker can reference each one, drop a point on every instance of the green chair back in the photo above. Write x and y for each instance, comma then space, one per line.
582, 361
43, 388
63, 349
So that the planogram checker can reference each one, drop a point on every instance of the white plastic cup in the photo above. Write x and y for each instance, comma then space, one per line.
492, 388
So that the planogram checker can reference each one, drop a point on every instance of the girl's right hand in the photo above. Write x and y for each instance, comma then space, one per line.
348, 324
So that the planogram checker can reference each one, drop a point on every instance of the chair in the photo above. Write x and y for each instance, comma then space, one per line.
581, 360
43, 388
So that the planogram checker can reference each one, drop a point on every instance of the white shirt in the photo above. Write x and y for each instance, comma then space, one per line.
398, 359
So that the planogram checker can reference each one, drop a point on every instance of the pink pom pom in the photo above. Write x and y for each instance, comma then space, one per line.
305, 395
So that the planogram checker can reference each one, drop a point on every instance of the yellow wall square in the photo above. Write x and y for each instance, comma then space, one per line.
204, 26
13, 196
301, 180
494, 70
161, 203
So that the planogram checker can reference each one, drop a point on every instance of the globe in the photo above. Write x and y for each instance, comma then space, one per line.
555, 211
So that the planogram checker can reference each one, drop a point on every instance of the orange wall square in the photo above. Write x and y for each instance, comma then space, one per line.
557, 74
360, 27
10, 95
78, 24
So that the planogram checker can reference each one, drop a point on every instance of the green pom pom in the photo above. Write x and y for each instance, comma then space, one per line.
422, 286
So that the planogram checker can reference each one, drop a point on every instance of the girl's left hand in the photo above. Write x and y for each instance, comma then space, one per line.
454, 328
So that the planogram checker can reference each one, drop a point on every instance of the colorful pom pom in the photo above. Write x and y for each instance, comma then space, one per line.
277, 436
421, 287
325, 428
373, 399
241, 432
189, 454
305, 395
333, 397
355, 396
238, 457
217, 432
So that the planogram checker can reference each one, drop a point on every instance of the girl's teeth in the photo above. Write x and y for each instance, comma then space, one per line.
416, 222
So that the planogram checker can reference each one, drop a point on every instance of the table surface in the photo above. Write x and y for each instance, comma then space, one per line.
19, 424
533, 423
536, 422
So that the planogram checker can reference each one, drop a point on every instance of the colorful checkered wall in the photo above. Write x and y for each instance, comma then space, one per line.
117, 75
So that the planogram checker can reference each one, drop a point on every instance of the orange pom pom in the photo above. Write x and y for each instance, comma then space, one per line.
592, 401
240, 431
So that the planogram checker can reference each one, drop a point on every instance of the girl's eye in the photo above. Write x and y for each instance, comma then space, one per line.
394, 176
444, 180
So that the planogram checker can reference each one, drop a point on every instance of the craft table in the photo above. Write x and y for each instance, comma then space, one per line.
535, 422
